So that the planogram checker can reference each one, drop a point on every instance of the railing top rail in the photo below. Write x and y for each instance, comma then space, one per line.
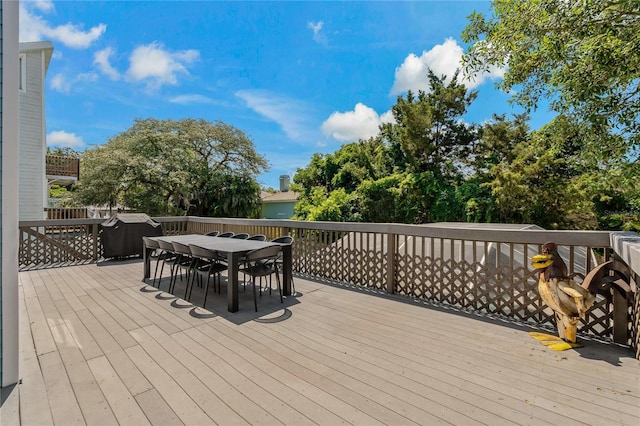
61, 160
165, 219
486, 233
59, 222
498, 233
627, 246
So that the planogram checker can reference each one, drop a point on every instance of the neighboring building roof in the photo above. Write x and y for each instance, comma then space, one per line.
47, 46
281, 197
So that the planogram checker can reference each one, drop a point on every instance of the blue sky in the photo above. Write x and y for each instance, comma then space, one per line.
296, 77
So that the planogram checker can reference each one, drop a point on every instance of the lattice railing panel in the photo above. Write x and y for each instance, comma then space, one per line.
493, 286
58, 245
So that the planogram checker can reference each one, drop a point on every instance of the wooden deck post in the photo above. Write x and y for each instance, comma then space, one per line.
391, 263
620, 320
95, 241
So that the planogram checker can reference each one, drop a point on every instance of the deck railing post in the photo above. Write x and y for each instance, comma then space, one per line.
391, 263
95, 241
620, 320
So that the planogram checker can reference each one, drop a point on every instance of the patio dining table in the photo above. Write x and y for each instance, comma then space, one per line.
234, 250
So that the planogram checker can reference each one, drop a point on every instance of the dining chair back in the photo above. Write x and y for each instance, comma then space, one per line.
185, 261
207, 263
170, 257
241, 236
262, 263
225, 235
212, 234
258, 237
153, 245
287, 240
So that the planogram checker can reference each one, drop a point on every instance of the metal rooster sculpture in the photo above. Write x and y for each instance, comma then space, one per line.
567, 298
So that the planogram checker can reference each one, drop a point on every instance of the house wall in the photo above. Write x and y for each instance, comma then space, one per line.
280, 210
32, 181
9, 116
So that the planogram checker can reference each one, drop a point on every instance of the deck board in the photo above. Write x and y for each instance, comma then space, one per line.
124, 405
100, 347
232, 397
33, 402
157, 410
477, 377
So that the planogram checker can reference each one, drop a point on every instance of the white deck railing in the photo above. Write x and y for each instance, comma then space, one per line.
479, 268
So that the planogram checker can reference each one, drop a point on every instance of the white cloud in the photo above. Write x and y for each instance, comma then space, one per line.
318, 35
63, 139
387, 117
443, 59
62, 84
43, 5
191, 99
157, 66
59, 83
289, 114
361, 123
86, 76
102, 60
34, 27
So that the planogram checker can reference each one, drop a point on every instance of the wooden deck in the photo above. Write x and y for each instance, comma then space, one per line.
99, 347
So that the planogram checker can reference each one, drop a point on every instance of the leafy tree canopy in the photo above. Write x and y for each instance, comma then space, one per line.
429, 127
63, 151
175, 167
581, 55
501, 171
398, 176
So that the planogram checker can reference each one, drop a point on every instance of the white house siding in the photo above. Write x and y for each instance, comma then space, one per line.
32, 182
1, 192
9, 115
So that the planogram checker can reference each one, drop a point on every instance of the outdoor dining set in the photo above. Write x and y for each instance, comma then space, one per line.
198, 258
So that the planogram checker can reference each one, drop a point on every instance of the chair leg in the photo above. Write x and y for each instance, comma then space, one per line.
174, 273
189, 287
161, 269
255, 299
171, 267
191, 274
206, 289
155, 274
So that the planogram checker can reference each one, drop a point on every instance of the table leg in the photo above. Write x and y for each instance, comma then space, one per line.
287, 260
232, 281
146, 258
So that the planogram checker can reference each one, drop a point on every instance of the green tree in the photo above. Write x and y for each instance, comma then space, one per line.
434, 144
104, 175
379, 199
498, 144
544, 183
64, 151
580, 55
327, 183
429, 127
407, 173
174, 167
233, 196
